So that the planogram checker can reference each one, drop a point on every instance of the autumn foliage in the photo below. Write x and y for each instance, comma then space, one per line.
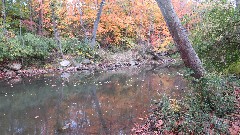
122, 22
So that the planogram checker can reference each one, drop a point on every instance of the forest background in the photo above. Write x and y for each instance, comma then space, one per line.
44, 31
37, 29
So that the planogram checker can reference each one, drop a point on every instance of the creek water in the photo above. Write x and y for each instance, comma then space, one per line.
104, 102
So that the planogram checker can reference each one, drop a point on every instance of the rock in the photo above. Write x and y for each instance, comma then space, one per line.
10, 74
118, 65
86, 61
78, 68
65, 75
1, 76
153, 62
86, 72
162, 53
78, 65
136, 63
15, 80
14, 66
91, 67
82, 67
1, 68
30, 71
132, 63
5, 70
65, 63
126, 64
71, 69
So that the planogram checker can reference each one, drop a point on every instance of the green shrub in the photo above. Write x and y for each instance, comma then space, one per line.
31, 46
76, 47
3, 48
215, 94
216, 36
36, 46
234, 68
26, 46
205, 109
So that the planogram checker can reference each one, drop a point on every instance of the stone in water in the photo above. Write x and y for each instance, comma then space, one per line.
65, 63
15, 66
65, 75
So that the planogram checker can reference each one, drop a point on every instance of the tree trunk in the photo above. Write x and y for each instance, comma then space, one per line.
55, 30
95, 26
180, 37
81, 21
96, 3
238, 10
4, 17
40, 18
20, 20
238, 4
31, 15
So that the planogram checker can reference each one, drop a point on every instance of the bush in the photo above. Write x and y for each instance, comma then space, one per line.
205, 110
31, 46
215, 94
37, 46
75, 47
234, 68
216, 36
25, 47
206, 107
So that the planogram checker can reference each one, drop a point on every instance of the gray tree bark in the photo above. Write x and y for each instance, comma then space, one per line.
4, 17
31, 15
95, 26
55, 30
180, 37
40, 18
238, 4
81, 21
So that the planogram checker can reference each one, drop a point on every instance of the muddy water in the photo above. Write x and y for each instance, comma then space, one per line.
84, 103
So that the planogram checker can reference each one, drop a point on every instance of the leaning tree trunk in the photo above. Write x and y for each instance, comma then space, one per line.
95, 26
4, 16
180, 38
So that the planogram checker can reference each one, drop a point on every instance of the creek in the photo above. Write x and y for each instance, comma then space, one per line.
103, 102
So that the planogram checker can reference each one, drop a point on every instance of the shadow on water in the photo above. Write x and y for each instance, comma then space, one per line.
85, 103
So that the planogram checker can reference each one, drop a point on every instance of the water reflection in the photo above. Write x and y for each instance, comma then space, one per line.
99, 103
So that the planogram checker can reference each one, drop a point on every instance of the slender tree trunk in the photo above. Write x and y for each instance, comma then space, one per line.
96, 3
238, 10
20, 22
55, 30
81, 21
151, 30
238, 4
4, 16
180, 38
95, 26
20, 26
31, 16
40, 18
